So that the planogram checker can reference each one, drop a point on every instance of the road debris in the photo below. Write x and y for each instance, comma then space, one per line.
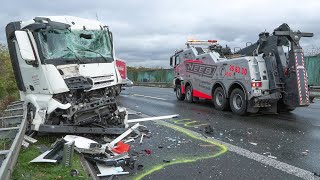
208, 129
29, 139
253, 143
148, 151
166, 161
305, 153
153, 118
74, 172
109, 155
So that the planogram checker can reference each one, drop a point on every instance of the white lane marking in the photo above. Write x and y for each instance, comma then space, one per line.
151, 97
287, 168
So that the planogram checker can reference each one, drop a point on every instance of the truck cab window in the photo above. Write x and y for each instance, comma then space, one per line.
177, 60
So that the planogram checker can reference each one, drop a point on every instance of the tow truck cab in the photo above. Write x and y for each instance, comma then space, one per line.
259, 77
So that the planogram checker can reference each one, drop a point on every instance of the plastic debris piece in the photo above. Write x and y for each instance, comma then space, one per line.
110, 170
79, 142
142, 135
129, 140
208, 129
253, 143
272, 157
29, 139
140, 167
25, 144
148, 151
121, 148
166, 161
74, 172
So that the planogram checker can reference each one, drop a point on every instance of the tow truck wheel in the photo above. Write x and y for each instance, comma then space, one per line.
219, 99
179, 94
238, 103
189, 94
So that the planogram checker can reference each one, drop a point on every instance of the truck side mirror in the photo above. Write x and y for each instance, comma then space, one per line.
171, 60
25, 46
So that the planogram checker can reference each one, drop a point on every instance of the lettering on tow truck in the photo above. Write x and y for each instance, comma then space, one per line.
201, 69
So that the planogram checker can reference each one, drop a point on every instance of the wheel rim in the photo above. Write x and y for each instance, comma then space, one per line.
178, 92
189, 94
219, 98
237, 101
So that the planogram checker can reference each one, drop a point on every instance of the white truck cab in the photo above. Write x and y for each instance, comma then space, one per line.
65, 71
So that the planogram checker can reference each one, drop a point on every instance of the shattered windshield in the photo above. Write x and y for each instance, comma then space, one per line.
84, 45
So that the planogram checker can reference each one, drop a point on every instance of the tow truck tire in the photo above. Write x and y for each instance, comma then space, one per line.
179, 94
189, 96
238, 103
219, 99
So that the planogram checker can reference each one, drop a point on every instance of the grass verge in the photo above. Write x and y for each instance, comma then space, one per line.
35, 171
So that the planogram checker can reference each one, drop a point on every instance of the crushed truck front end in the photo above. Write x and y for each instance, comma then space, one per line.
70, 76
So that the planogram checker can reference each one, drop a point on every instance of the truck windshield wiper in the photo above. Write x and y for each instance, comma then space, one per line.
89, 50
75, 55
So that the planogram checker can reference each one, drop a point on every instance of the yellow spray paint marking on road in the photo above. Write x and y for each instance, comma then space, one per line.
189, 123
222, 149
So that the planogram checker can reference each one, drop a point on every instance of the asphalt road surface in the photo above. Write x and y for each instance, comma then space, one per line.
285, 146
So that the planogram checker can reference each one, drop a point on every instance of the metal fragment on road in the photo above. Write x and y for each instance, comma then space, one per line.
153, 118
68, 150
253, 143
142, 135
122, 136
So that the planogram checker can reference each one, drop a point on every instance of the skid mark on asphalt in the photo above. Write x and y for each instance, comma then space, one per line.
209, 144
189, 123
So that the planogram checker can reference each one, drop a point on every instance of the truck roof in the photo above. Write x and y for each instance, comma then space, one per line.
76, 23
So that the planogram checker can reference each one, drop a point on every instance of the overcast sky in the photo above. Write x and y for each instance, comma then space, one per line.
146, 32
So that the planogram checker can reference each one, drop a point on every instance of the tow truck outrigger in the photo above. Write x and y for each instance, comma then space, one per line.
65, 71
260, 77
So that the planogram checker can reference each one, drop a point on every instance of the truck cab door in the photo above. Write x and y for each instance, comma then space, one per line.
29, 63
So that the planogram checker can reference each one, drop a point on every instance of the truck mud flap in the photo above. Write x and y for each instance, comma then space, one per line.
79, 130
302, 81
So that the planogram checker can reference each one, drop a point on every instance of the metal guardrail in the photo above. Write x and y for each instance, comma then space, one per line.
12, 132
153, 84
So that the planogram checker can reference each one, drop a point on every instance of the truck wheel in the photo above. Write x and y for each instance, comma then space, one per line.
189, 94
219, 99
179, 94
238, 103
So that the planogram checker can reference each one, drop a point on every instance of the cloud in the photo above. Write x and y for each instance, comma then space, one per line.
147, 32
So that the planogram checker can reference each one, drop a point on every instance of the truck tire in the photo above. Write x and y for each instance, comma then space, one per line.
238, 103
189, 95
179, 94
219, 99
